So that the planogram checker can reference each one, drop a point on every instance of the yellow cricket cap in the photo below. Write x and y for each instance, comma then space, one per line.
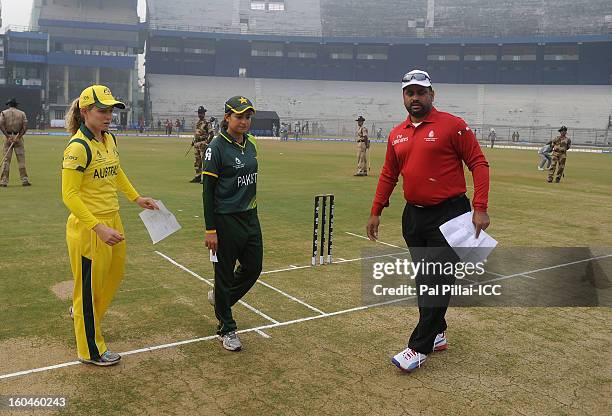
100, 96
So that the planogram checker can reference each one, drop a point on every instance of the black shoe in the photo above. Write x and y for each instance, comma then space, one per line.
196, 179
27, 184
557, 180
3, 185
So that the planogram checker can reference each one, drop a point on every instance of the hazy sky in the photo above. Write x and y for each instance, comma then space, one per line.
17, 12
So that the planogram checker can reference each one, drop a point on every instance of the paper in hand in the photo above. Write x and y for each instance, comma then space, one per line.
460, 234
213, 257
160, 223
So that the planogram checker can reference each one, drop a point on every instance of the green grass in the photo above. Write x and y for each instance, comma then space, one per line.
501, 361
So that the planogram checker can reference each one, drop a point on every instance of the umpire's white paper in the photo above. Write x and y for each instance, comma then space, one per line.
460, 234
160, 223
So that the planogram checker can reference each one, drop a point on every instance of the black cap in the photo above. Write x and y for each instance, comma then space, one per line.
563, 128
238, 104
12, 101
360, 118
201, 109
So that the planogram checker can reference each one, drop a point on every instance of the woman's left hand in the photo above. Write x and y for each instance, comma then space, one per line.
146, 203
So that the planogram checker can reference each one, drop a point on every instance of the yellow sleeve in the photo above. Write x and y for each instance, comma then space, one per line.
124, 185
75, 157
71, 185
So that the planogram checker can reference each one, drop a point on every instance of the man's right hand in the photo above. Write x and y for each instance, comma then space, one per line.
109, 235
372, 227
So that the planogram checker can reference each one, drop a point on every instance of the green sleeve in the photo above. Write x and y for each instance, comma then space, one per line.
208, 199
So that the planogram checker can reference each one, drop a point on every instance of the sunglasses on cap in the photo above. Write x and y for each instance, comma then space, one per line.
417, 77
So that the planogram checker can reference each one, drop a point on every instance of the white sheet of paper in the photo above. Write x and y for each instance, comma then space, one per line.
159, 223
461, 236
213, 257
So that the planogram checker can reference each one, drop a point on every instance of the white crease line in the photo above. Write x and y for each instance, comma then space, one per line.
341, 259
378, 241
208, 282
293, 267
207, 338
501, 275
263, 334
286, 269
279, 324
369, 257
543, 269
293, 298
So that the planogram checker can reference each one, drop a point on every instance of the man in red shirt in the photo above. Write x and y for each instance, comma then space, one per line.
428, 150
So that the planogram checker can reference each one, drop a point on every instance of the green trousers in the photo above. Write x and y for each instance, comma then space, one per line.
239, 237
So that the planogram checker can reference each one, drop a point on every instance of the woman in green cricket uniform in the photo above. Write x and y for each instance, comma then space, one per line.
230, 213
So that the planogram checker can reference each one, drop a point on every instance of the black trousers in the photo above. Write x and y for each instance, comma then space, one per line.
420, 228
239, 237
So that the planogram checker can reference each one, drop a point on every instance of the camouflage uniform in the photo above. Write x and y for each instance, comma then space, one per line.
13, 123
363, 144
560, 146
204, 133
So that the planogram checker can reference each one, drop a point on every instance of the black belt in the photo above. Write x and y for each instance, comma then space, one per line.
14, 133
446, 201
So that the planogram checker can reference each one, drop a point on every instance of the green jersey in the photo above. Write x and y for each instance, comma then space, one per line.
235, 167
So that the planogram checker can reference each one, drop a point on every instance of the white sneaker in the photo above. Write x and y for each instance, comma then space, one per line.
408, 360
540, 168
440, 343
211, 297
231, 342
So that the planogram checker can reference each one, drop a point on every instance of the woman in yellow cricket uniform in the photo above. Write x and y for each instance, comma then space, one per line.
91, 175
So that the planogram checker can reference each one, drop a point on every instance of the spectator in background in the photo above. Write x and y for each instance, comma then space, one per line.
492, 137
545, 157
168, 127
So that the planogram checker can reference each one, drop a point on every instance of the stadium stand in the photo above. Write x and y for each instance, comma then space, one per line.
235, 16
114, 11
507, 105
387, 18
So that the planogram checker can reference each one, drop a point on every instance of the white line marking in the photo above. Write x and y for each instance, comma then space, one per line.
207, 338
208, 282
341, 259
543, 269
293, 267
263, 334
275, 325
293, 298
501, 275
378, 241
38, 370
287, 269
370, 257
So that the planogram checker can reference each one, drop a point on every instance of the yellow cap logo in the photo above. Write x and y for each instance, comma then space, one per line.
243, 100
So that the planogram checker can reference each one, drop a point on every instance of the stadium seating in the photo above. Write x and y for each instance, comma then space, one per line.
387, 18
340, 101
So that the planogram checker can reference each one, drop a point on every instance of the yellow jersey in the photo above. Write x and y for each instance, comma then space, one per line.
100, 173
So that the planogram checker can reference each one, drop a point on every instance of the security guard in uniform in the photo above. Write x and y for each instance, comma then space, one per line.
363, 144
233, 232
14, 124
560, 145
203, 135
